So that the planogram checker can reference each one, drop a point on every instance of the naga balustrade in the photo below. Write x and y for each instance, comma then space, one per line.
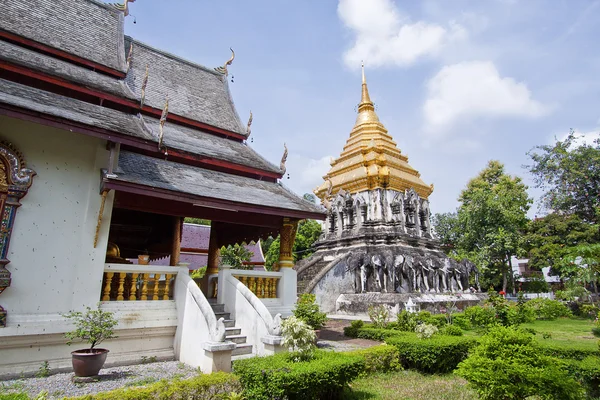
125, 282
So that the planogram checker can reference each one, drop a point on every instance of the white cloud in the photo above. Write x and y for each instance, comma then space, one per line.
475, 89
384, 36
306, 173
582, 138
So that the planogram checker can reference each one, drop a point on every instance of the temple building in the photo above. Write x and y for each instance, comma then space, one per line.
377, 236
107, 143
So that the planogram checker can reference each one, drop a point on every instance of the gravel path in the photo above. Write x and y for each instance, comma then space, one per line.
61, 385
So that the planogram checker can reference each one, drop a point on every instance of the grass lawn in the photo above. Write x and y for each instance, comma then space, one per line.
409, 385
565, 331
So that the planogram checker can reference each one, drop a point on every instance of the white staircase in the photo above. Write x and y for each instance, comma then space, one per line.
233, 334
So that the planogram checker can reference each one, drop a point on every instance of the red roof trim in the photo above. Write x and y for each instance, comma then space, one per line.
60, 54
135, 188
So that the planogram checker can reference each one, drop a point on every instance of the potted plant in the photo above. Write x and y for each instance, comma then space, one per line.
308, 311
92, 326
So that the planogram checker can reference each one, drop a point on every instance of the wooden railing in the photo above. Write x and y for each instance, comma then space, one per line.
262, 284
123, 282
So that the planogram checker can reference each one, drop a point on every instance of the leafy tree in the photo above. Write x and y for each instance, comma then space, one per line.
447, 229
569, 173
492, 213
548, 240
582, 262
236, 256
308, 232
199, 221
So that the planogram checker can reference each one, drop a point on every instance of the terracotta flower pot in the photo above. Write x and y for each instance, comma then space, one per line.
88, 362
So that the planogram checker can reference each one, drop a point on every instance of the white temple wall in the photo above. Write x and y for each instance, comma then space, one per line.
55, 267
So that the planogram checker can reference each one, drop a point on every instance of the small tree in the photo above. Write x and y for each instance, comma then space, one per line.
93, 326
308, 311
236, 256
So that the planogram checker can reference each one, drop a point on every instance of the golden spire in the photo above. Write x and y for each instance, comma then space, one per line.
366, 108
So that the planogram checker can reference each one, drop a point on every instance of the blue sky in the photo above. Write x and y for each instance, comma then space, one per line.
456, 82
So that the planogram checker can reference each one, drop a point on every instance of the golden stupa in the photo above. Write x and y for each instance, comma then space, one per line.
370, 159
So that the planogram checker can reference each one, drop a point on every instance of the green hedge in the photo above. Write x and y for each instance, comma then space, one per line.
439, 354
587, 372
378, 334
382, 358
567, 350
211, 387
277, 376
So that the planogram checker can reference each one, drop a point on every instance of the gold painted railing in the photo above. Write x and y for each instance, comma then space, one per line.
123, 282
263, 287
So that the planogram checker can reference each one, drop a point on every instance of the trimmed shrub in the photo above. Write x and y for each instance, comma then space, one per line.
451, 330
439, 354
587, 372
567, 350
212, 387
548, 309
508, 365
277, 377
378, 334
426, 331
352, 330
406, 321
383, 358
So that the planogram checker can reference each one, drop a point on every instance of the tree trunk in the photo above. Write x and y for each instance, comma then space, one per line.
512, 275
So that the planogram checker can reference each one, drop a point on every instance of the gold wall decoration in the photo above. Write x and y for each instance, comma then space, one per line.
15, 181
287, 237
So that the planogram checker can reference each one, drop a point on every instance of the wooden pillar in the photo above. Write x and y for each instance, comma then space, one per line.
287, 237
214, 250
176, 246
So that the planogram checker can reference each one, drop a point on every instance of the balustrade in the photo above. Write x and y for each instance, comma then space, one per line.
263, 287
133, 282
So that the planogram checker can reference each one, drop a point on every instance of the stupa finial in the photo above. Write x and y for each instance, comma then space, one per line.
366, 108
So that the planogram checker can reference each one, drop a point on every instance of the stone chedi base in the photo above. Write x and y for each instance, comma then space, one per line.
358, 303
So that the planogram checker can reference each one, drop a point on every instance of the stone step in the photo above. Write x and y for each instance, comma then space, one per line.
224, 315
243, 348
229, 323
237, 339
218, 308
232, 330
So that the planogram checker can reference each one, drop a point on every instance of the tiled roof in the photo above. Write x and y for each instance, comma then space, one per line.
158, 173
194, 91
85, 28
62, 69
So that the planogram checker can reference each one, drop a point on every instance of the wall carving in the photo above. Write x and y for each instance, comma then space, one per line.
15, 181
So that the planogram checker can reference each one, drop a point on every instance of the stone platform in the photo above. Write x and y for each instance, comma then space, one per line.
358, 303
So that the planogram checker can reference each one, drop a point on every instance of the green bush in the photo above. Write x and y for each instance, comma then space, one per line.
14, 396
548, 309
481, 317
567, 350
462, 321
379, 315
508, 365
439, 354
377, 334
277, 377
298, 338
308, 311
214, 386
426, 331
383, 358
596, 331
406, 321
352, 330
587, 372
589, 311
451, 330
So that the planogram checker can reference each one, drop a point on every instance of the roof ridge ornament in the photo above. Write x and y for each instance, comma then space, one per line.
144, 83
124, 8
283, 159
161, 124
223, 69
129, 56
248, 130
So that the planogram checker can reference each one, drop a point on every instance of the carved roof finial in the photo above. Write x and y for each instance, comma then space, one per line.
123, 7
223, 69
283, 159
365, 99
129, 55
144, 83
248, 130
161, 123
